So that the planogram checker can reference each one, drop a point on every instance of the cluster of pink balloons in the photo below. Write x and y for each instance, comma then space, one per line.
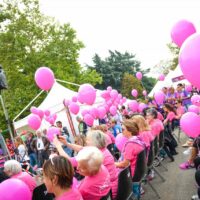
159, 97
44, 78
195, 99
51, 132
51, 118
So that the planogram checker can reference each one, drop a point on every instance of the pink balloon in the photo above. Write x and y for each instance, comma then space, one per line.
134, 93
51, 132
94, 112
51, 120
189, 123
86, 94
34, 121
47, 113
195, 99
188, 88
34, 110
105, 94
109, 103
144, 92
74, 108
84, 112
161, 77
133, 105
181, 31
193, 108
102, 112
41, 114
44, 78
139, 75
159, 97
74, 99
119, 96
13, 188
120, 141
113, 110
54, 116
88, 119
189, 59
67, 102
114, 94
109, 88
141, 107
124, 99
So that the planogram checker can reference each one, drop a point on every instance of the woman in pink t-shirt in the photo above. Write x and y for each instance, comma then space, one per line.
144, 129
170, 113
133, 146
58, 178
153, 121
180, 110
94, 138
96, 183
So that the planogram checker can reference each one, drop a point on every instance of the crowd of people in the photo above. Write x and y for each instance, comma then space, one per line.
87, 166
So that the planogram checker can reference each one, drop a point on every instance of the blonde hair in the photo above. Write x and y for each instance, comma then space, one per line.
131, 126
19, 141
141, 122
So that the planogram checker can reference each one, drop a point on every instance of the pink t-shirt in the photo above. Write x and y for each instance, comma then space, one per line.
109, 163
111, 136
97, 186
170, 116
147, 137
160, 116
180, 110
72, 194
26, 178
108, 139
156, 127
131, 152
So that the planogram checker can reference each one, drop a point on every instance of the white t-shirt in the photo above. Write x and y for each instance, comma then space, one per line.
22, 153
40, 144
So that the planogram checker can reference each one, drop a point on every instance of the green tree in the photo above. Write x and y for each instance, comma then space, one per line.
28, 40
129, 82
113, 67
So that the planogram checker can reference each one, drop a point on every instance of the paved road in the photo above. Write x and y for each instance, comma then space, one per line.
179, 185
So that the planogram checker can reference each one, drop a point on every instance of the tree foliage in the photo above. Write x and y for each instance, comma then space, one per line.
113, 68
28, 40
129, 82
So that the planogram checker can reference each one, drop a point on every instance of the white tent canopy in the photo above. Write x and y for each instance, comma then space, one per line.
54, 103
168, 81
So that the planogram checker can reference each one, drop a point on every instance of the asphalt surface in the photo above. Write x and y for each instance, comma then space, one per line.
179, 184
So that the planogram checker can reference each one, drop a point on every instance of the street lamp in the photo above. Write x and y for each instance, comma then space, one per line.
3, 86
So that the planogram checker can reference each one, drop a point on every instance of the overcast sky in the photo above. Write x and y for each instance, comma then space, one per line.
141, 27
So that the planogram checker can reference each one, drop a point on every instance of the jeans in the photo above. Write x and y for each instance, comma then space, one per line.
42, 155
33, 159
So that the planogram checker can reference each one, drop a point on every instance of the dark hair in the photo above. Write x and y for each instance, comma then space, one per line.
131, 126
144, 112
61, 167
153, 112
180, 84
3, 176
123, 107
179, 101
59, 122
169, 107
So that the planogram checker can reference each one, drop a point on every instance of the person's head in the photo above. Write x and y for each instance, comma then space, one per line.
79, 119
179, 87
30, 135
164, 90
151, 114
18, 141
178, 103
123, 108
58, 174
140, 121
96, 138
171, 90
12, 167
59, 124
113, 122
3, 176
39, 134
80, 140
89, 161
7, 140
129, 128
168, 107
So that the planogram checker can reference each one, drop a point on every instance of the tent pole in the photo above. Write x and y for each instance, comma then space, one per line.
70, 83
